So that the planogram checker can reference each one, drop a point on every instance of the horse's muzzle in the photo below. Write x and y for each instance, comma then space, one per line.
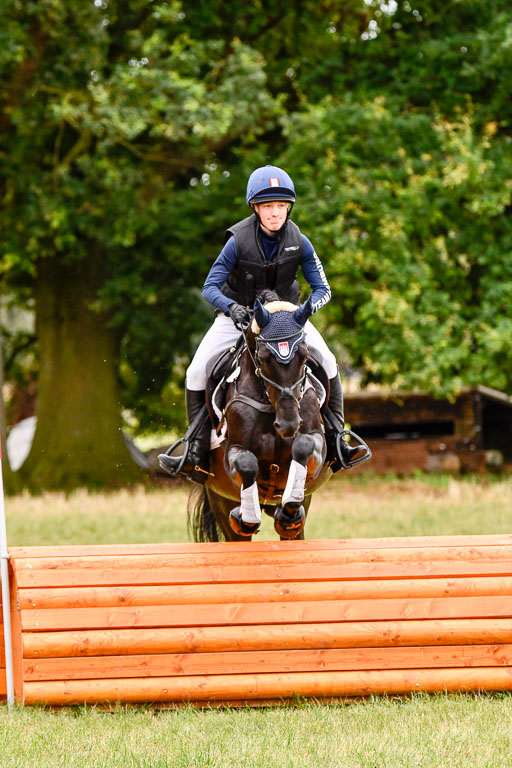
287, 429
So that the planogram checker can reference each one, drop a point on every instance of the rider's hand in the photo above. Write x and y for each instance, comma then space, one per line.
240, 316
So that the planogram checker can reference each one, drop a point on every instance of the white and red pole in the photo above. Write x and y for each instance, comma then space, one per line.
6, 606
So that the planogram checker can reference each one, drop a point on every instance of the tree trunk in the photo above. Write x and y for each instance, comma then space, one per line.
78, 439
11, 484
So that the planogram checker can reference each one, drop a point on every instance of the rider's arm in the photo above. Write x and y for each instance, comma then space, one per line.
315, 275
217, 276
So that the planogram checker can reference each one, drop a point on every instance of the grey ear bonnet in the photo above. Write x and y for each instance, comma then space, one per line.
282, 336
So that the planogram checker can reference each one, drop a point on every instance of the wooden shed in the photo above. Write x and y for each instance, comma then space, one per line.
409, 431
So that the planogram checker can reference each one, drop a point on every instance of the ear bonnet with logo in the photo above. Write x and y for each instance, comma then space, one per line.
280, 330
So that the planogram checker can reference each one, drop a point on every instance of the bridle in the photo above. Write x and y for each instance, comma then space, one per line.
287, 393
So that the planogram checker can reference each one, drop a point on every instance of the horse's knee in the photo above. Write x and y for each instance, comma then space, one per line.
302, 448
246, 464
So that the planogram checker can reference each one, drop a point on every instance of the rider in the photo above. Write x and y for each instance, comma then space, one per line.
264, 250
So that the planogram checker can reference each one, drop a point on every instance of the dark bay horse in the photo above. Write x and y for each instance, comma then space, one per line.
274, 454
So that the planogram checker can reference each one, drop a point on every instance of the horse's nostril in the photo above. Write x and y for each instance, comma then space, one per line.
286, 430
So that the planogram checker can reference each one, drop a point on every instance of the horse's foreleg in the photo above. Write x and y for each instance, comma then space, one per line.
290, 517
302, 450
245, 519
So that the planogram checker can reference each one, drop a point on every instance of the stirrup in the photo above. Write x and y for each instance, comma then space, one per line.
356, 462
197, 473
162, 457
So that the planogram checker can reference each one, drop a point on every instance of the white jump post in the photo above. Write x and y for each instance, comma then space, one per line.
6, 606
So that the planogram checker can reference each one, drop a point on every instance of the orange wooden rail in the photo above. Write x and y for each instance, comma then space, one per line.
261, 622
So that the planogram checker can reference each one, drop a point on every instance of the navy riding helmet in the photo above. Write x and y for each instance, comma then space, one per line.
270, 183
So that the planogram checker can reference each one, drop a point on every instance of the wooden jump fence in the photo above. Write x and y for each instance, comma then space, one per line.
261, 622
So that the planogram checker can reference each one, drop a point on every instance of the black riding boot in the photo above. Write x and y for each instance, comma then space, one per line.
197, 459
335, 405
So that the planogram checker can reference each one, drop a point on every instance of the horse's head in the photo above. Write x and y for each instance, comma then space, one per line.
280, 356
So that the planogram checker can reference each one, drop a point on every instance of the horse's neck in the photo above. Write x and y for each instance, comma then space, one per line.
248, 382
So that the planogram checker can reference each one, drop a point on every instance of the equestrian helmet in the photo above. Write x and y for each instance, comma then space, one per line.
270, 183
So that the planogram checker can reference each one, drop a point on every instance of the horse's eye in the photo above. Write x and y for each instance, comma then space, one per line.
264, 354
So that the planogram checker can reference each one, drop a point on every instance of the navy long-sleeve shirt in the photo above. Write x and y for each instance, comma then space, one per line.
222, 267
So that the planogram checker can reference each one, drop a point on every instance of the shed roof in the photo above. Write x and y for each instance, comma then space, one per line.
391, 394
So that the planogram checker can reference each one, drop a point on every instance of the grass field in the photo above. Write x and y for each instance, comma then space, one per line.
431, 732
361, 506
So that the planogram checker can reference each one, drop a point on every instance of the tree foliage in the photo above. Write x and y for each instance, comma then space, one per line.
411, 196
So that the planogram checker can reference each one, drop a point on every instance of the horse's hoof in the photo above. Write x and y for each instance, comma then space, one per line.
289, 526
240, 526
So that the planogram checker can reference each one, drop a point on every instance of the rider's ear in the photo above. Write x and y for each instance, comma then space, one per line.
261, 315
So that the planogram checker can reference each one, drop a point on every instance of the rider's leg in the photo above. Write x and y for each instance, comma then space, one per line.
199, 446
221, 335
315, 342
335, 404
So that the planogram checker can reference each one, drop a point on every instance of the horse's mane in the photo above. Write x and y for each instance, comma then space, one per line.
267, 295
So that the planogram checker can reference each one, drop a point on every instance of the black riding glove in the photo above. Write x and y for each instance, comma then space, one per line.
240, 316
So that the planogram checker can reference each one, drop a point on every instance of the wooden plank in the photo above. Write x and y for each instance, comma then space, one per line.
266, 613
255, 686
261, 546
93, 597
17, 650
270, 573
251, 662
279, 558
108, 642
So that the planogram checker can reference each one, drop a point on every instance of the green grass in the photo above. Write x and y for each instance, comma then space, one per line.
361, 506
429, 732
421, 732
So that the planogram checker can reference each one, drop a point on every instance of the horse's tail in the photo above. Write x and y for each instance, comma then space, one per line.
201, 523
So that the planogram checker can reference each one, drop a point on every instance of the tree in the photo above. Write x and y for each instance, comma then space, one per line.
107, 113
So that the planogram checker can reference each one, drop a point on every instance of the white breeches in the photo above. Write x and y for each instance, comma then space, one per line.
222, 335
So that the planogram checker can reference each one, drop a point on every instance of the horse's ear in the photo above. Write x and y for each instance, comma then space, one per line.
261, 315
304, 312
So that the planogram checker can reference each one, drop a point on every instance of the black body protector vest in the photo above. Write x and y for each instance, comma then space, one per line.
253, 272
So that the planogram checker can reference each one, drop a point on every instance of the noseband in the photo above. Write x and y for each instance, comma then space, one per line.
286, 392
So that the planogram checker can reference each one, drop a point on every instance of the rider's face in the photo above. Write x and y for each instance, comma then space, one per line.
272, 215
